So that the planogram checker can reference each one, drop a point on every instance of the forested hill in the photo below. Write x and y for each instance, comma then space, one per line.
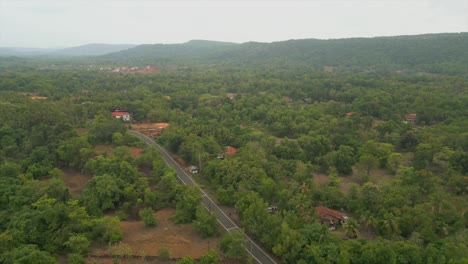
431, 52
94, 49
202, 50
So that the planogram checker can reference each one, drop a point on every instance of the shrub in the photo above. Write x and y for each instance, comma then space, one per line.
164, 254
147, 216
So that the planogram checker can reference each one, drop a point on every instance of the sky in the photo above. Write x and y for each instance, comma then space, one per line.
67, 23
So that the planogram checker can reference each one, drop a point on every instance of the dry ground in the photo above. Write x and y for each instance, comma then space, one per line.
75, 181
140, 242
101, 149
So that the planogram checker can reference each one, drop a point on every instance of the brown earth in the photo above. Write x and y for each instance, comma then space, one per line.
81, 130
101, 149
75, 181
145, 242
143, 126
136, 152
150, 129
37, 97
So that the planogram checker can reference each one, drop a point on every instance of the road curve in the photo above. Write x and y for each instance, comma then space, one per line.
252, 248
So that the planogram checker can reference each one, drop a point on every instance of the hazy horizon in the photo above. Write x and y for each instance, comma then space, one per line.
60, 24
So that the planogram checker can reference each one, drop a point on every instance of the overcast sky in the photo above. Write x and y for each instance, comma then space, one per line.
65, 23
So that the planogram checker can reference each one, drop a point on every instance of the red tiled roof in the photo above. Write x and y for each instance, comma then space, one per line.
350, 114
410, 116
323, 211
230, 150
114, 114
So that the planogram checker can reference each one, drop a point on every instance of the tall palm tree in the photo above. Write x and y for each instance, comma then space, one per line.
389, 225
369, 221
351, 228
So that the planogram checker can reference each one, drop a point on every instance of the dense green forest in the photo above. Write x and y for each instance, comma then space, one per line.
305, 136
437, 53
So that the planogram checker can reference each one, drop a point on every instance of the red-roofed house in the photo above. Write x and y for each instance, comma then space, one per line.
350, 114
125, 116
329, 216
411, 118
230, 151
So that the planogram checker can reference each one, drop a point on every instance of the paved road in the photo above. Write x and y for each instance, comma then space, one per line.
255, 251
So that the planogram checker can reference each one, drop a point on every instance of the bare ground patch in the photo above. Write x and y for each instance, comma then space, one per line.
321, 179
75, 181
136, 152
81, 130
101, 149
109, 150
141, 241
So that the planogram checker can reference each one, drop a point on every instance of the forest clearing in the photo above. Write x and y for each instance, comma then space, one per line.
143, 242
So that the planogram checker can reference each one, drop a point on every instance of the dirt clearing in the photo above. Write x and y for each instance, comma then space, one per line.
101, 149
75, 181
141, 241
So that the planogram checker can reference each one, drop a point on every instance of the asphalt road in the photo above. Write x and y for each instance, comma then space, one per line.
252, 248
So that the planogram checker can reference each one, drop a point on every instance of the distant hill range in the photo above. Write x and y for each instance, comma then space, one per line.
84, 50
437, 53
429, 50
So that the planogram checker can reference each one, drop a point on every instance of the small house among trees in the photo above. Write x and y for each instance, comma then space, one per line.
411, 118
193, 169
329, 216
228, 152
125, 116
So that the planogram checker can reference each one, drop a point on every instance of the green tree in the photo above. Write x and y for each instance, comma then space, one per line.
117, 139
75, 151
379, 151
147, 215
388, 226
78, 244
103, 128
206, 223
369, 221
394, 161
186, 207
108, 229
351, 228
377, 252
210, 257
164, 254
371, 196
368, 162
101, 193
75, 258
289, 244
423, 156
186, 260
232, 245
28, 254
344, 159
